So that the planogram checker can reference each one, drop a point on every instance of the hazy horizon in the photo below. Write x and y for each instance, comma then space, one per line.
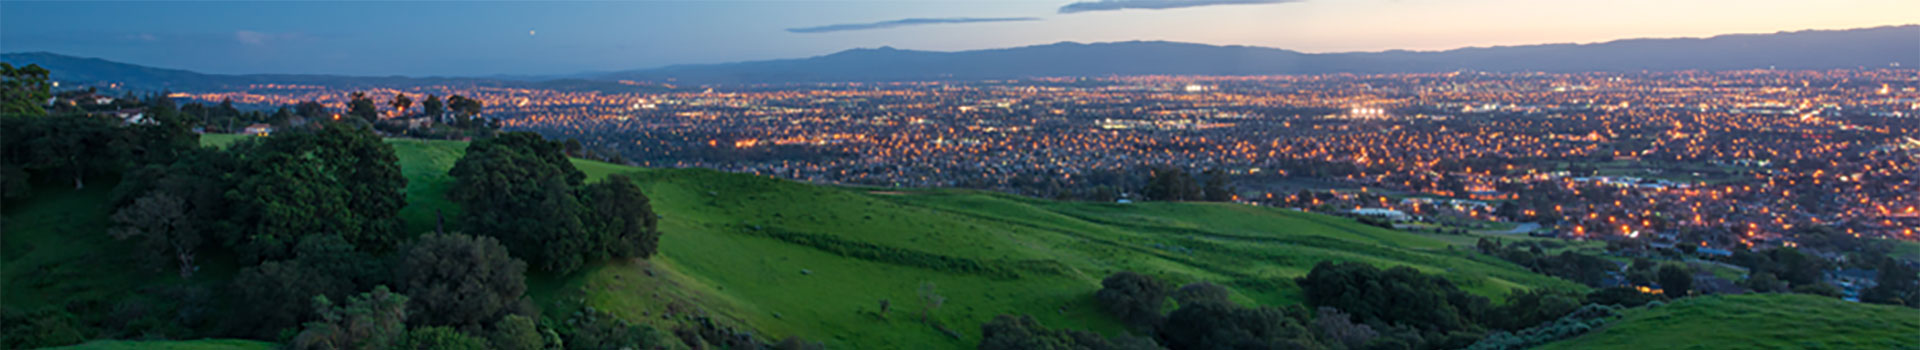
525, 38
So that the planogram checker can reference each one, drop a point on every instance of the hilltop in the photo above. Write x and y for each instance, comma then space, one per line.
786, 258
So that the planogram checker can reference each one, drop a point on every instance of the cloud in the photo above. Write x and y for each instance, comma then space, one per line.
1110, 5
251, 37
904, 23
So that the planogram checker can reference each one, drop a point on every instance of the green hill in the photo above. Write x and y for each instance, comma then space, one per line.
1757, 321
787, 258
783, 258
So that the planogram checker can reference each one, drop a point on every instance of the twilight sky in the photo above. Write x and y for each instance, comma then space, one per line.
514, 37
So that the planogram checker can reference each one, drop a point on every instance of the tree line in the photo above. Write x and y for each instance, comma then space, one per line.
310, 217
1347, 306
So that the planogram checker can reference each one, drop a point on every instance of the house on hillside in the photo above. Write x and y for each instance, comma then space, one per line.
259, 129
1389, 214
132, 116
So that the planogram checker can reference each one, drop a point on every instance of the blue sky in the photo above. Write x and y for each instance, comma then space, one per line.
510, 37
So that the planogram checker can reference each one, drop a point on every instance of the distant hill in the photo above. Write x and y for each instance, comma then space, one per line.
1817, 49
1756, 321
87, 71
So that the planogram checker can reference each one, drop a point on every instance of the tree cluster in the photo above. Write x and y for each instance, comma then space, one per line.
1204, 319
1175, 184
1585, 269
1007, 332
521, 188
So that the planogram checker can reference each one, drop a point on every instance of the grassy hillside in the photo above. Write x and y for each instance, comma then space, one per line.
787, 258
784, 258
210, 344
1760, 321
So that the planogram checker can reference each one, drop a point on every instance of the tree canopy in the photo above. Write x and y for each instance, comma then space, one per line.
522, 189
336, 179
460, 281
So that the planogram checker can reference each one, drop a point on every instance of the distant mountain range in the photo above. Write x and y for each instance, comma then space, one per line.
1822, 49
1815, 49
103, 73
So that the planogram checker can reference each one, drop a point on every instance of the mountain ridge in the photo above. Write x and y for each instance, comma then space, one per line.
1805, 49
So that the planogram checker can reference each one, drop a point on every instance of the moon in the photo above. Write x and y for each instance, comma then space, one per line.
529, 32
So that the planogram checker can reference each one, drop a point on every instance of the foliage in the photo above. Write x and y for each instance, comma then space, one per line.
1200, 292
1622, 296
1398, 295
39, 327
362, 108
1676, 280
1338, 328
460, 281
1527, 308
202, 344
163, 228
278, 294
432, 107
623, 217
337, 179
516, 332
593, 331
1898, 284
372, 320
1788, 264
1172, 184
518, 187
71, 146
1134, 298
24, 89
1216, 325
1586, 319
440, 338
1007, 332
401, 102
1764, 282
1585, 269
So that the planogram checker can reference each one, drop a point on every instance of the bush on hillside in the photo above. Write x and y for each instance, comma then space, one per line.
1134, 298
1581, 321
1399, 295
1007, 332
440, 338
461, 281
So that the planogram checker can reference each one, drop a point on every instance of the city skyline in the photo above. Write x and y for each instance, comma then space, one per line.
491, 38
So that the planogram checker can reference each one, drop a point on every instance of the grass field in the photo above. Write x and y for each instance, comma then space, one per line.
209, 344
1906, 250
757, 251
1757, 321
784, 258
222, 140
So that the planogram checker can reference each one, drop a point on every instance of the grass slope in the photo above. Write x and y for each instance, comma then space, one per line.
208, 344
1758, 321
786, 258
